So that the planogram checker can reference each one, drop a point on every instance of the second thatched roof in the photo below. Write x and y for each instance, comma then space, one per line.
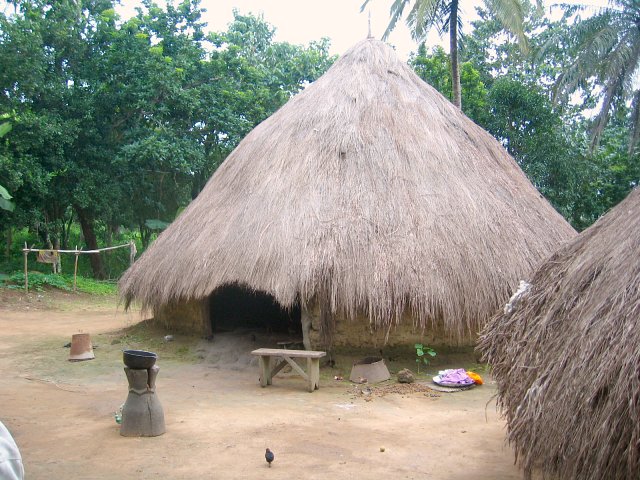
567, 356
370, 189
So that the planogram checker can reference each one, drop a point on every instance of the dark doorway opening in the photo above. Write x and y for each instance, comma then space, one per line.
234, 307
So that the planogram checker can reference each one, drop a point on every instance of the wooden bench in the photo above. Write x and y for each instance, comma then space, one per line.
270, 367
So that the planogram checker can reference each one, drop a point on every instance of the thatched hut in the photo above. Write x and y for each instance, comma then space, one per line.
368, 207
566, 355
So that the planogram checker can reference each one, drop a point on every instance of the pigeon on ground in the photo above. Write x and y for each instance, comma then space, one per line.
269, 456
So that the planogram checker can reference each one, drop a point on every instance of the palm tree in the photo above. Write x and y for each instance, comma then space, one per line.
607, 47
444, 15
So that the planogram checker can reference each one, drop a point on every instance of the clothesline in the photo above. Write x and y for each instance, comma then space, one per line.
75, 251
52, 255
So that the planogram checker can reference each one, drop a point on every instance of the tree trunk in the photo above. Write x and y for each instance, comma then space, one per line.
66, 230
305, 320
453, 49
8, 245
86, 224
145, 235
57, 267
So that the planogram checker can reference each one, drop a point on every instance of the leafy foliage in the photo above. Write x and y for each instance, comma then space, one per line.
524, 120
550, 140
119, 122
444, 15
41, 281
38, 281
423, 353
5, 197
435, 69
605, 52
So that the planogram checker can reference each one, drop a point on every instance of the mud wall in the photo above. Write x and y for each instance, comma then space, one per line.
187, 316
360, 333
193, 317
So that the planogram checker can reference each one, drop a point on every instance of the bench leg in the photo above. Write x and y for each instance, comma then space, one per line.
265, 371
313, 371
277, 366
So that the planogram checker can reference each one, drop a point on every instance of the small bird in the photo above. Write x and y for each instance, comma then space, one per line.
269, 456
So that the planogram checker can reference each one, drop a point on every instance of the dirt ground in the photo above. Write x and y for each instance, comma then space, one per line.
218, 419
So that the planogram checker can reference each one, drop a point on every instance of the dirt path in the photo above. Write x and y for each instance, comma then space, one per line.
218, 419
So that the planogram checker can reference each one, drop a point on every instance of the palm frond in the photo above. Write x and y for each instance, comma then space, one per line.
364, 5
445, 14
607, 48
593, 39
423, 16
396, 11
510, 13
635, 120
623, 58
603, 116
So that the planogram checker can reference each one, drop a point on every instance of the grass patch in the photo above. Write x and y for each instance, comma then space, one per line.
96, 287
147, 335
40, 281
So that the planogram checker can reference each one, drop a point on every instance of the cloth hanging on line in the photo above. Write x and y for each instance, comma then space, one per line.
48, 256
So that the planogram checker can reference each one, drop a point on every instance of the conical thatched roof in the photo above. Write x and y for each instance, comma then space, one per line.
567, 359
368, 188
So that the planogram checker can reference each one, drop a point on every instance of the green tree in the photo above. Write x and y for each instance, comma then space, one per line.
558, 147
41, 47
435, 69
445, 16
611, 174
147, 100
486, 49
605, 49
523, 119
122, 122
254, 76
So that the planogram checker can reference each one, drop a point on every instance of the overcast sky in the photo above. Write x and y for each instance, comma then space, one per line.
301, 21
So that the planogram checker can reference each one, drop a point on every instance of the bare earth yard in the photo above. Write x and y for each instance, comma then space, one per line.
218, 419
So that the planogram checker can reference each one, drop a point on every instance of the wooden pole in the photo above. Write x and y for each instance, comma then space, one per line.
75, 269
26, 271
132, 252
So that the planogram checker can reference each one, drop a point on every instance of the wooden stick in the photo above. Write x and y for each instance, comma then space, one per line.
26, 271
75, 269
132, 252
81, 251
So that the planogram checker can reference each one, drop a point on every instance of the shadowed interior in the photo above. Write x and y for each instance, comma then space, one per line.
234, 306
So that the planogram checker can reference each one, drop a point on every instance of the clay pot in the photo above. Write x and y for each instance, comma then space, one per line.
139, 359
81, 348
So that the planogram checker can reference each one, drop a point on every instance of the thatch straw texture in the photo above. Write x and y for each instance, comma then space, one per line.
368, 189
567, 358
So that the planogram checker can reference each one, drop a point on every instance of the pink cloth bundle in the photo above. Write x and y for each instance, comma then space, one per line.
456, 376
